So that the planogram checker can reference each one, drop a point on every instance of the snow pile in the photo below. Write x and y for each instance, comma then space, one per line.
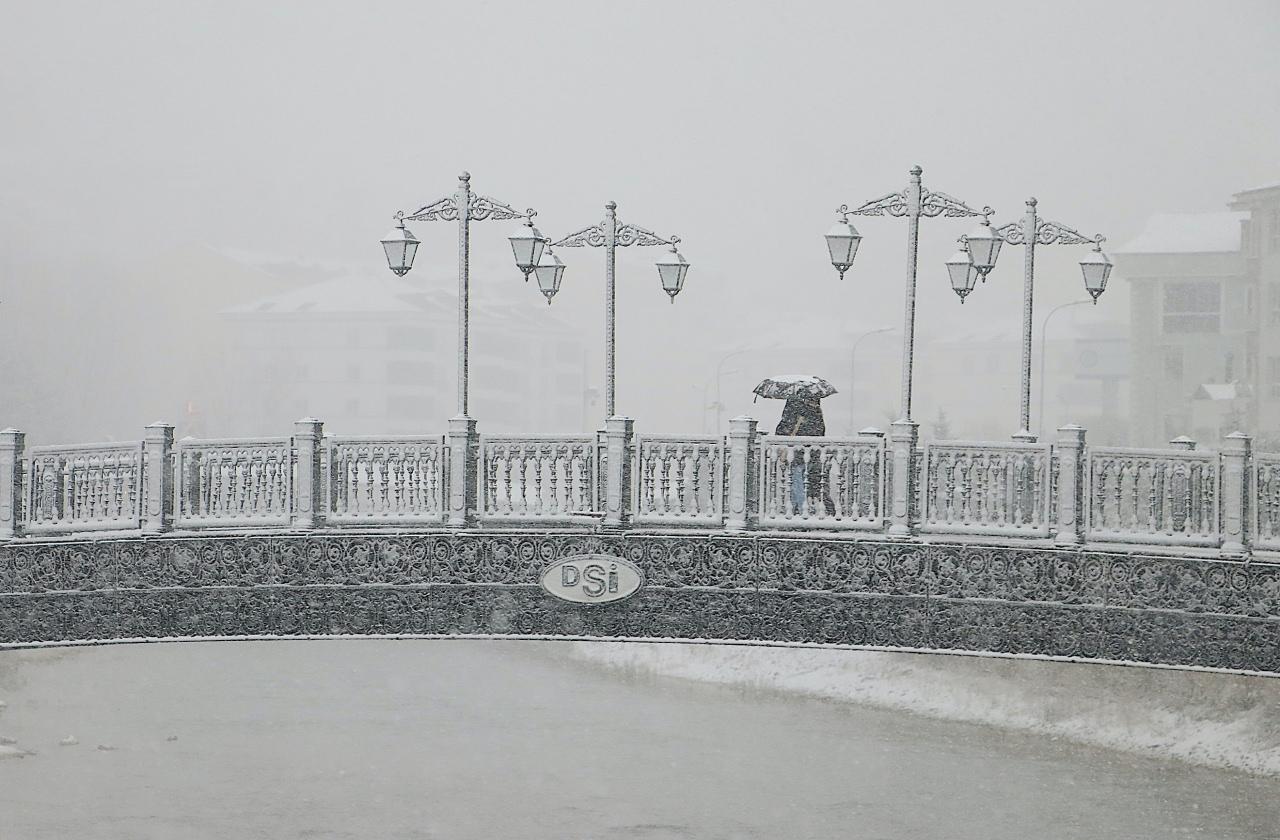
1203, 718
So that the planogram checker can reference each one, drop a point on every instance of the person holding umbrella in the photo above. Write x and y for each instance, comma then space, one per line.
802, 417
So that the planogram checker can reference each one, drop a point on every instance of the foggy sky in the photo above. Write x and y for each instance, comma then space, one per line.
297, 129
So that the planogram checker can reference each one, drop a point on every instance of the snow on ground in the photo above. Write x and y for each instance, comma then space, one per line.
1211, 719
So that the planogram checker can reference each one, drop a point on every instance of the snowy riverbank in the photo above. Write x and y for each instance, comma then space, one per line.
1209, 719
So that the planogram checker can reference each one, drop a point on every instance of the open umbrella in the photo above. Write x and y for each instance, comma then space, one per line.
786, 387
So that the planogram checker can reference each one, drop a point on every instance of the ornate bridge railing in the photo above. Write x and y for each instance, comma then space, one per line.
987, 488
1267, 507
234, 483
1039, 549
384, 480
1066, 493
97, 486
679, 480
545, 479
1160, 496
830, 483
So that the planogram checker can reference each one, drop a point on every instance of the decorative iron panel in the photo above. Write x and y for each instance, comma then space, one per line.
1044, 602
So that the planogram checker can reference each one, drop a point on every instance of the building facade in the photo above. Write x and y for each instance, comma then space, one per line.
378, 355
1205, 322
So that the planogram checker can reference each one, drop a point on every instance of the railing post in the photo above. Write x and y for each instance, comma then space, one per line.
1237, 450
464, 480
1072, 491
903, 439
740, 481
307, 495
157, 462
618, 433
12, 442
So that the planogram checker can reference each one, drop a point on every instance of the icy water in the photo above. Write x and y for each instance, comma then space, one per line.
468, 739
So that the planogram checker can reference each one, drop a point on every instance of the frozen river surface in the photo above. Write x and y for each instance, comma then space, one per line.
466, 739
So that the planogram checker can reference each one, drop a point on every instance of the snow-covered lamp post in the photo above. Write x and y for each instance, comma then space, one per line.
1029, 232
462, 207
914, 202
611, 234
401, 246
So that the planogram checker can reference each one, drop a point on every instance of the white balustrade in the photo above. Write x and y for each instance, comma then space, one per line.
234, 483
987, 488
378, 480
1176, 497
834, 483
1156, 496
546, 478
96, 486
1266, 485
679, 480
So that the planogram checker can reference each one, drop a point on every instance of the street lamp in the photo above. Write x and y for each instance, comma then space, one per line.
526, 245
463, 207
1044, 341
549, 270
842, 242
1096, 267
610, 234
962, 270
400, 246
914, 202
853, 356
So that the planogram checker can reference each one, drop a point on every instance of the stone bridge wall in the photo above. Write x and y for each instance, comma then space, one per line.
835, 590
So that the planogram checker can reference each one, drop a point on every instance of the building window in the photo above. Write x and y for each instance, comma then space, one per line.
1274, 294
1192, 306
1173, 364
407, 406
1229, 368
1273, 376
410, 338
404, 372
1275, 228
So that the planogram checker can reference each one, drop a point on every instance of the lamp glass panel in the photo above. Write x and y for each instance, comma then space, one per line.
843, 247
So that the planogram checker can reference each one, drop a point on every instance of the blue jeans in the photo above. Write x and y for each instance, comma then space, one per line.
798, 470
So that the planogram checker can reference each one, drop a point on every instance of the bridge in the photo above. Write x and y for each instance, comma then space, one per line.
1164, 557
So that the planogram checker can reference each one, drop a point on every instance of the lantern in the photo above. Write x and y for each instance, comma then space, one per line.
1096, 267
984, 246
549, 271
401, 246
963, 272
526, 245
842, 242
671, 271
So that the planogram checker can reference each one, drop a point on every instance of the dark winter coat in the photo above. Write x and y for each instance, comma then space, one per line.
801, 417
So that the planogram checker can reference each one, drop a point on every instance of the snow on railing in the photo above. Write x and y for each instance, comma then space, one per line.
379, 480
96, 486
234, 483
679, 480
822, 482
987, 488
1077, 495
1266, 485
551, 477
1158, 496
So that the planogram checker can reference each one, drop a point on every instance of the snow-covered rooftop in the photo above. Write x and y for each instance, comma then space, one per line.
1221, 391
345, 295
1274, 185
1188, 233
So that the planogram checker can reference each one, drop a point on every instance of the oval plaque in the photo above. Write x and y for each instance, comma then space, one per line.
592, 579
